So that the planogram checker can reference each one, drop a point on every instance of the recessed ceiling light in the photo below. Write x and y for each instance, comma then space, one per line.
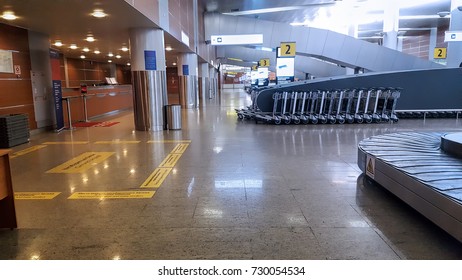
90, 38
82, 56
110, 55
58, 43
109, 61
174, 63
97, 52
86, 49
124, 49
9, 15
118, 56
128, 64
73, 46
98, 13
168, 48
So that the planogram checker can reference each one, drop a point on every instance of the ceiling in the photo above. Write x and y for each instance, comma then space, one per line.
70, 20
338, 15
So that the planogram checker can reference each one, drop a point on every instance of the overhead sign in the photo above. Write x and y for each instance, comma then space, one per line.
242, 39
254, 67
287, 49
285, 66
453, 36
264, 62
439, 53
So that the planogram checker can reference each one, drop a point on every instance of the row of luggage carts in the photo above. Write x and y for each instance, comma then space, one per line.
328, 106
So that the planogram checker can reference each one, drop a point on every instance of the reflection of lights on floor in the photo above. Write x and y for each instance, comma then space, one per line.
217, 149
116, 258
132, 171
35, 257
213, 212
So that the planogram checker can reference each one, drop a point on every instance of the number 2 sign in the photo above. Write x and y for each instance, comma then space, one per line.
287, 49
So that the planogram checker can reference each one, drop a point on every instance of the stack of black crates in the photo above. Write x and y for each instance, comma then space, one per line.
14, 130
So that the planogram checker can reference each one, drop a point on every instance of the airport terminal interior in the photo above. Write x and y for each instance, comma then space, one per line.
163, 154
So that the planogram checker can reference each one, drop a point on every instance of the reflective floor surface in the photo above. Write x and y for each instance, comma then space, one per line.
236, 190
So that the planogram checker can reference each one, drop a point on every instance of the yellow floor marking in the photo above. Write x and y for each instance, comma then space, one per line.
28, 150
35, 195
170, 160
81, 162
156, 178
112, 195
117, 142
169, 141
66, 143
180, 148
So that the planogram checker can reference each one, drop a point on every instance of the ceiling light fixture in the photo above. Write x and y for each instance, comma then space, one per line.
128, 64
109, 61
58, 43
168, 48
86, 49
118, 56
174, 63
90, 38
97, 52
73, 46
110, 55
124, 49
9, 15
98, 13
82, 56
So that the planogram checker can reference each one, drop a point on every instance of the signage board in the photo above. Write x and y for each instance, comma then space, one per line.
241, 39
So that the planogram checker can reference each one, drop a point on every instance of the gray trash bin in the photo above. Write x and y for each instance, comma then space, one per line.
174, 116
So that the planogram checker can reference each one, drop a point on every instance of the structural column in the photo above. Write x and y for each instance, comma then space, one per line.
205, 84
188, 76
213, 88
149, 78
391, 24
454, 55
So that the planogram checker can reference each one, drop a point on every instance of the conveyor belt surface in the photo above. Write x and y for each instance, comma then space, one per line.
417, 168
434, 167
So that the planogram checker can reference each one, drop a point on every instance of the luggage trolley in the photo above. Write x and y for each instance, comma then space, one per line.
370, 107
303, 101
347, 105
293, 115
311, 110
282, 116
338, 102
391, 104
319, 107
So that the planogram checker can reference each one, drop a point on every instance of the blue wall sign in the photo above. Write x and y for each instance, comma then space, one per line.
150, 60
185, 70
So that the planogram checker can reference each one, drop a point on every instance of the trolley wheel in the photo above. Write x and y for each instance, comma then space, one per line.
394, 119
277, 120
368, 119
240, 116
297, 120
385, 118
350, 120
305, 120
314, 120
332, 120
286, 121
323, 120
376, 118
359, 120
341, 120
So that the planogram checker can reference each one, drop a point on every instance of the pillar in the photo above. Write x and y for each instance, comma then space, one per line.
454, 55
188, 75
391, 24
213, 87
149, 77
204, 82
433, 41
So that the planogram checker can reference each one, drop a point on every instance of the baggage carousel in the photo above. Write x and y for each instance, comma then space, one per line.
422, 169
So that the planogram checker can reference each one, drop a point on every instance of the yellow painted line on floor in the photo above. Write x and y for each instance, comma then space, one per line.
170, 160
112, 195
156, 178
66, 143
81, 162
28, 150
179, 149
169, 141
117, 142
35, 195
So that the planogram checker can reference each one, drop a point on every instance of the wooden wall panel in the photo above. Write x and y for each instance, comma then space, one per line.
16, 90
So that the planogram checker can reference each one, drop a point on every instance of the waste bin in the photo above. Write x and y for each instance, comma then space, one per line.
173, 116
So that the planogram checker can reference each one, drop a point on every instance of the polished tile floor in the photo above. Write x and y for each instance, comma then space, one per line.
238, 191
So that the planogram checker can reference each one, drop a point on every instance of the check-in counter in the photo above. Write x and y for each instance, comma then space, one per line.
100, 100
7, 209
